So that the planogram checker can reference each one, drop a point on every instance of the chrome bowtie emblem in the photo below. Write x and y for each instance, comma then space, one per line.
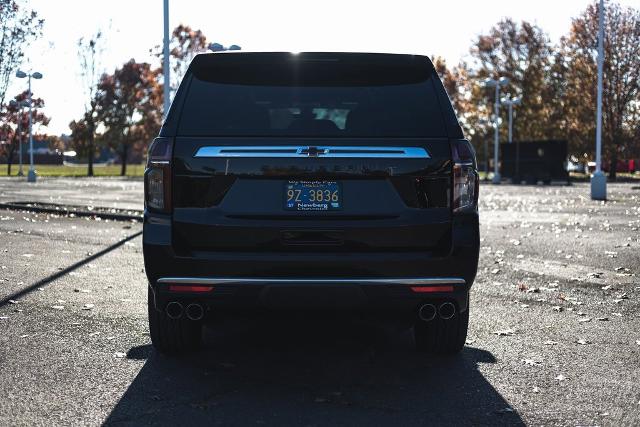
312, 151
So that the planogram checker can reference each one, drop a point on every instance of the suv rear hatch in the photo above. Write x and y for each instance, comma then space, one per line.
370, 132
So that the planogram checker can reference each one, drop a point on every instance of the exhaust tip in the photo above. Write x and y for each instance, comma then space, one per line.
195, 312
447, 310
174, 310
427, 312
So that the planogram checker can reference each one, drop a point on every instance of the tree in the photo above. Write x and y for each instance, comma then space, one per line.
185, 43
9, 129
523, 53
18, 25
621, 82
89, 52
130, 108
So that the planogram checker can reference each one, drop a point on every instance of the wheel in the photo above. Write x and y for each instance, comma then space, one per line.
172, 336
441, 336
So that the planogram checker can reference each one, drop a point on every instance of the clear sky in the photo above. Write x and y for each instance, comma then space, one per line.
132, 27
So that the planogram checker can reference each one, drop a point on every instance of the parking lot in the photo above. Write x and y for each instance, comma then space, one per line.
554, 333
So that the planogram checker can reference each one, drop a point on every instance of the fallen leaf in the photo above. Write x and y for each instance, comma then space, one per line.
582, 341
504, 332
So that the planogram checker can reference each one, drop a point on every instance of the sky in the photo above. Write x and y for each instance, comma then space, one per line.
132, 27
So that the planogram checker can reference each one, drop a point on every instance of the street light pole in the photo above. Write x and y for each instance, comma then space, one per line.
598, 179
496, 140
31, 176
165, 60
510, 102
20, 172
217, 47
502, 81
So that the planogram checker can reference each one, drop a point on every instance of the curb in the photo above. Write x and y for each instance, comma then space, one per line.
79, 211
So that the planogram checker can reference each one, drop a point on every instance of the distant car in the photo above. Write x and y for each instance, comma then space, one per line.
336, 182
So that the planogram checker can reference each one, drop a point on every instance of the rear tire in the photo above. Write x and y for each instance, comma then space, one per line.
441, 336
172, 336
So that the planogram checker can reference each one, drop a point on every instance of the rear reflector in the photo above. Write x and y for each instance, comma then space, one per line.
425, 289
188, 288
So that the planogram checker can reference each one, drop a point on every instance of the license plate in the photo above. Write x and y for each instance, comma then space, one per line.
312, 196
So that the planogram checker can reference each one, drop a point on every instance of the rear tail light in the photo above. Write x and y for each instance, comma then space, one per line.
157, 176
465, 177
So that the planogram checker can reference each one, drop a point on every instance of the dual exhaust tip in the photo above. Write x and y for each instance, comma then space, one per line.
428, 312
176, 310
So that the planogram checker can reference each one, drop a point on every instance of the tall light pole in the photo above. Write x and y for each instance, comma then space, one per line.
217, 47
502, 81
21, 106
598, 179
165, 61
509, 103
31, 176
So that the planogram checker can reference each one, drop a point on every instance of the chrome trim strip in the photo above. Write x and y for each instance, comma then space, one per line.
270, 281
328, 151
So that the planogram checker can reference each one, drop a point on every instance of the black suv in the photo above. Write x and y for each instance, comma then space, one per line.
286, 182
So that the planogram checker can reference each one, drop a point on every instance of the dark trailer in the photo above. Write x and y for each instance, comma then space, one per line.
534, 161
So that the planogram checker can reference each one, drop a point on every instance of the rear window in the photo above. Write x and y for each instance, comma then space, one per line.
311, 99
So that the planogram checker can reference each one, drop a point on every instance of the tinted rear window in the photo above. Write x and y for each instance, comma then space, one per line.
312, 99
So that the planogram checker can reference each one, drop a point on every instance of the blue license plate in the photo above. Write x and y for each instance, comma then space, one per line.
312, 196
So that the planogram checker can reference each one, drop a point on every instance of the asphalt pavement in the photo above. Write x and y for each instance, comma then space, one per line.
554, 333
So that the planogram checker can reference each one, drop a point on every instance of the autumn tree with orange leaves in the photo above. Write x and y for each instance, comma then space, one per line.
130, 108
13, 119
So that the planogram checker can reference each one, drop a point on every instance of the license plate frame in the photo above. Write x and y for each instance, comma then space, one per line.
305, 193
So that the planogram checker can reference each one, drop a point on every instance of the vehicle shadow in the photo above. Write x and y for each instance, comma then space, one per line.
311, 373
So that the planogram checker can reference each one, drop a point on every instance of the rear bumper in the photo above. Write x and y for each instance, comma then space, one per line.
366, 281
